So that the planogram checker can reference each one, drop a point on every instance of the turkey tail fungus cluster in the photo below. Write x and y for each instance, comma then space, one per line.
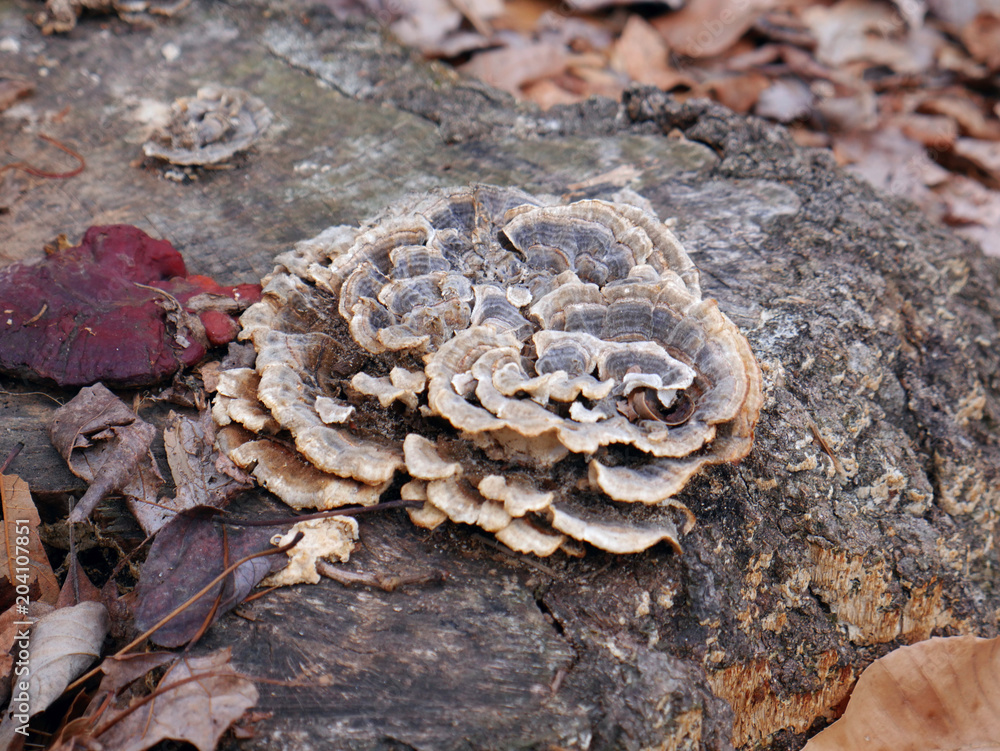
118, 308
549, 373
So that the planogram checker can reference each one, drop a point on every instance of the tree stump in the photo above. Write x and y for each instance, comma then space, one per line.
863, 519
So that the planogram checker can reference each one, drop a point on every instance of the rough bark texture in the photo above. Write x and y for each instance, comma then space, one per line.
864, 518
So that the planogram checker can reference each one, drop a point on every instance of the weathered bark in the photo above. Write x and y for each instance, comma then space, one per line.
864, 518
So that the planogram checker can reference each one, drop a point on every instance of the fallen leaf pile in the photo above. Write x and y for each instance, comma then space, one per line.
118, 308
904, 92
50, 637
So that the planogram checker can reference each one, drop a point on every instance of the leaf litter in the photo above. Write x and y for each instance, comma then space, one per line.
108, 445
837, 73
195, 701
21, 540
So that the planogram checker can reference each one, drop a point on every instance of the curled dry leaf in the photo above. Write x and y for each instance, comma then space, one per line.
943, 693
642, 54
106, 444
23, 562
187, 554
555, 371
433, 26
210, 128
63, 643
983, 154
118, 308
196, 701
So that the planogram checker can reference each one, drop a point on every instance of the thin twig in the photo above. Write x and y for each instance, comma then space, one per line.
347, 511
385, 582
11, 457
35, 172
31, 393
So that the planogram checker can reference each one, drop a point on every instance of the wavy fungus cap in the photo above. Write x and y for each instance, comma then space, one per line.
549, 373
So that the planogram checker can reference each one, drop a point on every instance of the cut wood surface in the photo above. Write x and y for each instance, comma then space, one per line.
864, 518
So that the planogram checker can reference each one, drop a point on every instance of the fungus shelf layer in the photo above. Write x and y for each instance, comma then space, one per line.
547, 372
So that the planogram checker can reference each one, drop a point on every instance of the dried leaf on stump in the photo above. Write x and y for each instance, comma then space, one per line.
23, 560
63, 644
985, 155
77, 588
943, 693
118, 308
186, 555
106, 444
194, 464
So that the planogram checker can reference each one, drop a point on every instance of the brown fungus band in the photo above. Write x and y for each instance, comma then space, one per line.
549, 373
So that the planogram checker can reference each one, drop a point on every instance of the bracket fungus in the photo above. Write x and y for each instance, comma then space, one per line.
550, 373
210, 128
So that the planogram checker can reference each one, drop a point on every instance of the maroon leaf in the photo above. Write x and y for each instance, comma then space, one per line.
118, 308
185, 556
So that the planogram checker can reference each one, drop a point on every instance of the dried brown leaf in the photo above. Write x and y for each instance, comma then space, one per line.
642, 55
547, 93
185, 556
963, 110
509, 68
892, 162
933, 131
196, 701
63, 643
77, 588
23, 562
433, 26
981, 37
117, 688
968, 202
983, 154
858, 30
738, 92
107, 445
194, 464
710, 27
943, 693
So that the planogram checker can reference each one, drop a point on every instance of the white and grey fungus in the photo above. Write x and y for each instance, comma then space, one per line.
548, 372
